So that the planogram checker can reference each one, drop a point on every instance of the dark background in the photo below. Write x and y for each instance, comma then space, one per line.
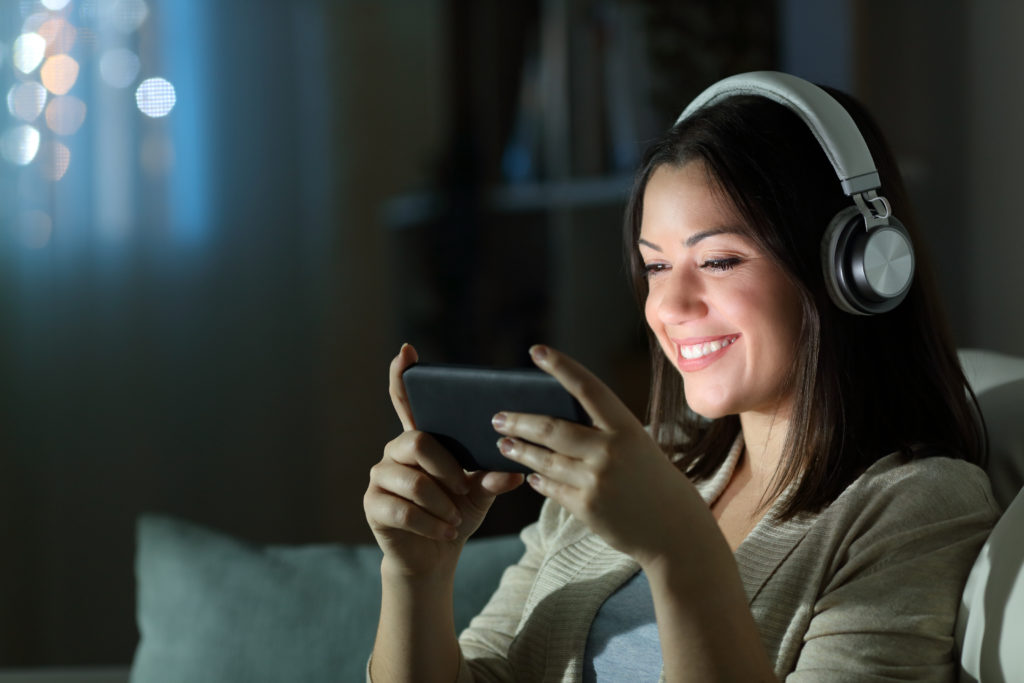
206, 328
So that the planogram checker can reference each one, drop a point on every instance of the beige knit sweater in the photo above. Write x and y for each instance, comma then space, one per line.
867, 590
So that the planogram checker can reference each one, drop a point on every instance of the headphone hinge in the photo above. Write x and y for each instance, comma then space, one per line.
866, 203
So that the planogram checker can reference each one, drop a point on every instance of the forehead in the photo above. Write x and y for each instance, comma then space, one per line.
685, 200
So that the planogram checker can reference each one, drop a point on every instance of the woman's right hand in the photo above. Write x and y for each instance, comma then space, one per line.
420, 504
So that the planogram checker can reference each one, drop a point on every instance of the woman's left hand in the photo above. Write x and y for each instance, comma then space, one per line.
612, 476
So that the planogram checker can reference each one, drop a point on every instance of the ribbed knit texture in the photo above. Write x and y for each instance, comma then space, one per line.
867, 590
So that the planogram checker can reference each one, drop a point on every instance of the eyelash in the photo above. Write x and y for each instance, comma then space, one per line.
651, 269
721, 264
718, 265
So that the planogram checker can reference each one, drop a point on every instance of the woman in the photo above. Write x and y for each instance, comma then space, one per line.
803, 504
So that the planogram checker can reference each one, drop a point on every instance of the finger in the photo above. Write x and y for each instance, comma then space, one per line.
501, 482
417, 487
486, 486
548, 488
553, 433
385, 510
419, 449
396, 387
600, 402
557, 467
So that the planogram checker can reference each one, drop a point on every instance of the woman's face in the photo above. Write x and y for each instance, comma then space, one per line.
723, 312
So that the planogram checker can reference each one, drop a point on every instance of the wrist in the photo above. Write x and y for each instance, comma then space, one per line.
394, 572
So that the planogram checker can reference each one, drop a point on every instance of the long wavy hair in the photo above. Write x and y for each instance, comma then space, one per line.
864, 386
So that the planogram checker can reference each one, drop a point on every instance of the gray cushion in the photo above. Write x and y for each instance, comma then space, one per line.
1003, 408
214, 608
990, 625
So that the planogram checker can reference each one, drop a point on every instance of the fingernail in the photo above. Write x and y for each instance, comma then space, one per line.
507, 446
499, 420
451, 533
455, 518
538, 352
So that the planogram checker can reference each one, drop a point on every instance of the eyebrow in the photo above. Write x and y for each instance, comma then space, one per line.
692, 239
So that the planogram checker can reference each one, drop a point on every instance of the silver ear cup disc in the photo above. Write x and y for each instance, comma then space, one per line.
888, 262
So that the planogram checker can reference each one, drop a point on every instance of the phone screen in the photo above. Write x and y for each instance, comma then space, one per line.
455, 404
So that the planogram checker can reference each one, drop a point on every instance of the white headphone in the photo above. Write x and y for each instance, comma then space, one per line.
866, 254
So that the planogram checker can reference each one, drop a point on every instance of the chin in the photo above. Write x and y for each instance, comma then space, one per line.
709, 410
710, 413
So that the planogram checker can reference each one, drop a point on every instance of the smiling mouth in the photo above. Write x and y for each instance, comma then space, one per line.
696, 351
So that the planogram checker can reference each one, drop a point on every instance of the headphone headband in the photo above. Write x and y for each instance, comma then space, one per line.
831, 124
866, 254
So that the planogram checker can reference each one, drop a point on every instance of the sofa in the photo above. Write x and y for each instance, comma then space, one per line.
216, 608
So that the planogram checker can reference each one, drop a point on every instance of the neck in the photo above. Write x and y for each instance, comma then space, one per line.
764, 435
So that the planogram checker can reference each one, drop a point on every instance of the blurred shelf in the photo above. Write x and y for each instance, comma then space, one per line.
413, 209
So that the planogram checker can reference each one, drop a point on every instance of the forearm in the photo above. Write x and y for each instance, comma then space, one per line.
706, 630
416, 634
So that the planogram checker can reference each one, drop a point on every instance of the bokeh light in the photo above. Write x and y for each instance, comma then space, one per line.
34, 229
65, 114
59, 73
55, 5
122, 16
20, 144
155, 97
59, 35
29, 50
26, 100
54, 159
119, 67
33, 21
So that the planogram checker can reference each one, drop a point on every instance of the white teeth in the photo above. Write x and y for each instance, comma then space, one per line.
701, 350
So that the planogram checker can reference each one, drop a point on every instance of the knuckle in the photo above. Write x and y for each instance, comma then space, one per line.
417, 484
402, 515
550, 463
393, 448
601, 461
418, 440
395, 364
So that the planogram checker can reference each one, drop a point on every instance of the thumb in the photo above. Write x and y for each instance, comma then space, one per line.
484, 487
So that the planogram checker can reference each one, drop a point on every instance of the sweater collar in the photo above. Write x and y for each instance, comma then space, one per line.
770, 541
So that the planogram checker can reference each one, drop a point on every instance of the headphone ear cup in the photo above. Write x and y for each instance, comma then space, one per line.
866, 271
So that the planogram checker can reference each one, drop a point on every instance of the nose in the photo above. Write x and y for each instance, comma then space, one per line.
676, 297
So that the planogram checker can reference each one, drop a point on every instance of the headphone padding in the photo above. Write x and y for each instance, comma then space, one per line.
845, 238
838, 230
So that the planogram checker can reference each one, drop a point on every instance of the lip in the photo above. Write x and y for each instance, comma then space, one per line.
695, 364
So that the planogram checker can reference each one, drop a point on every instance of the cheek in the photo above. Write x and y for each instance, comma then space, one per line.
655, 324
650, 313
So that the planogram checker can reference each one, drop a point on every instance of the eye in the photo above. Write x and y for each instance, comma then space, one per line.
721, 264
653, 269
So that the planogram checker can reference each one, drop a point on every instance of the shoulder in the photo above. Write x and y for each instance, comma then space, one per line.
886, 563
930, 485
916, 505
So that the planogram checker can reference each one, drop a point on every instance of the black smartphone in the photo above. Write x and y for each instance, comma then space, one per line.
455, 404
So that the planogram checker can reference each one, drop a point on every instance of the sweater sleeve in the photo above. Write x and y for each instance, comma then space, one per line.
486, 641
889, 603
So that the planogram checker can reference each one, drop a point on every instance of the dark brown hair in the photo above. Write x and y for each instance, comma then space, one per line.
865, 386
